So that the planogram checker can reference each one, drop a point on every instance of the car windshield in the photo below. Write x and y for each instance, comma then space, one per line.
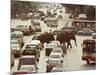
89, 47
26, 68
27, 61
55, 56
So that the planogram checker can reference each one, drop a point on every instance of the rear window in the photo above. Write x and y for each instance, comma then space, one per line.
26, 68
29, 52
27, 61
55, 56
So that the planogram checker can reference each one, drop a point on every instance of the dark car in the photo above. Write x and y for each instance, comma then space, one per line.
23, 28
86, 31
70, 29
31, 50
27, 60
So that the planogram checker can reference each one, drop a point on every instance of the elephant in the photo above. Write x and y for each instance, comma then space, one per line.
66, 36
46, 37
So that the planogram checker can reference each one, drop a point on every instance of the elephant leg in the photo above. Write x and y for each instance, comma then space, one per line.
67, 45
70, 45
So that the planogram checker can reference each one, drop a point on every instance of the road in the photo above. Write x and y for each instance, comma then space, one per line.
72, 60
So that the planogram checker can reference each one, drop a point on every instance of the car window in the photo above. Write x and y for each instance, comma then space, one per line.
55, 56
56, 51
27, 61
16, 36
29, 52
26, 68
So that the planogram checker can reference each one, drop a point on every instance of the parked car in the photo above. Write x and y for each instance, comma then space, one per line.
16, 50
49, 48
27, 60
17, 35
85, 31
24, 28
54, 59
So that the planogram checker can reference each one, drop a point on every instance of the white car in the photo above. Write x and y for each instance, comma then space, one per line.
58, 50
57, 69
49, 48
18, 35
55, 58
36, 43
16, 50
14, 41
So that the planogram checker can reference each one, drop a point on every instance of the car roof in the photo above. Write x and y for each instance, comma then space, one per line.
55, 54
28, 56
17, 32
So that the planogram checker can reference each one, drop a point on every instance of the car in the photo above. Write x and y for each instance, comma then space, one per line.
31, 50
26, 69
16, 50
86, 32
54, 59
36, 26
69, 29
52, 22
49, 48
24, 28
27, 60
18, 35
58, 50
14, 41
57, 69
37, 43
